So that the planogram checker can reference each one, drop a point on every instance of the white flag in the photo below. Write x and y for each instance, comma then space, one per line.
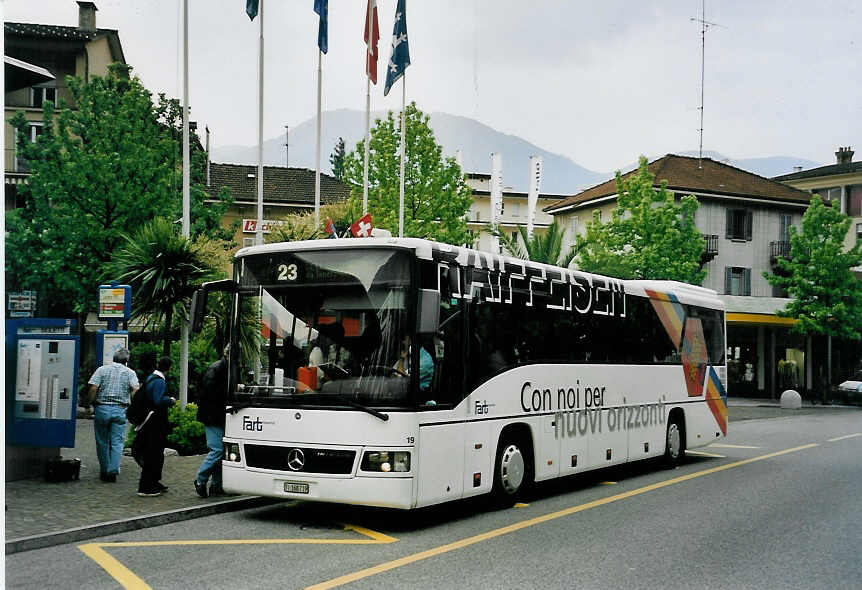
496, 196
533, 192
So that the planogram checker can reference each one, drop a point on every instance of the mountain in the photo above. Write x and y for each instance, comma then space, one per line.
476, 142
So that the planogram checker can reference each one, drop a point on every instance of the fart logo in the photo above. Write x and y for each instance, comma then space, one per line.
483, 407
253, 425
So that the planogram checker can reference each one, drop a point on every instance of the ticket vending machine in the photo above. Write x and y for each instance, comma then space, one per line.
41, 393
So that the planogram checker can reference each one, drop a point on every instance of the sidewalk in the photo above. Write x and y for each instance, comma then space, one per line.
41, 514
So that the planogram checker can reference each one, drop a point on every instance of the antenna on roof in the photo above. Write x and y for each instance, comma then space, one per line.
704, 25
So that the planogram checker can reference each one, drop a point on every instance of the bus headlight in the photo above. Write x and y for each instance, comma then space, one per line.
231, 453
386, 461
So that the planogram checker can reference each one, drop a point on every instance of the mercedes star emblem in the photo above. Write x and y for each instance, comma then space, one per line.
295, 459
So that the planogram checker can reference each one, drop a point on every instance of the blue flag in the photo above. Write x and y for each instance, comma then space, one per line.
321, 8
400, 57
251, 8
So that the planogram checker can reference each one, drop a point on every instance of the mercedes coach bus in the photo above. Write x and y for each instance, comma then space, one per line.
404, 373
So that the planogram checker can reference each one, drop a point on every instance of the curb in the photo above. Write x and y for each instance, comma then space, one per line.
114, 527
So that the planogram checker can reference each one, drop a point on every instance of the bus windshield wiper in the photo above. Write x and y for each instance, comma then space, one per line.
358, 406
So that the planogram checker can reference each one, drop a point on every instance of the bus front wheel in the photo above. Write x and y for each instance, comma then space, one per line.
674, 442
512, 472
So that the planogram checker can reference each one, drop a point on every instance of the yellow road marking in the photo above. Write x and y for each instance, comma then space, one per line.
409, 559
845, 437
607, 483
520, 505
703, 454
117, 570
726, 446
128, 580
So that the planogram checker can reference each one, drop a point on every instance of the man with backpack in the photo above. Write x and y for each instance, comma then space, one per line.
152, 434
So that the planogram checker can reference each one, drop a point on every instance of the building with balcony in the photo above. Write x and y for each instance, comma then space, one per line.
515, 211
840, 184
745, 221
61, 51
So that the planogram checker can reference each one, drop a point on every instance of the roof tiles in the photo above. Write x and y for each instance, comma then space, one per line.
280, 185
683, 175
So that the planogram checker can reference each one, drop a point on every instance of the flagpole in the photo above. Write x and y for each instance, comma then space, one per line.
184, 328
369, 16
403, 150
258, 236
317, 151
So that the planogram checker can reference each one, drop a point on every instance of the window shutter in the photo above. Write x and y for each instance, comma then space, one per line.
747, 281
748, 223
728, 226
727, 272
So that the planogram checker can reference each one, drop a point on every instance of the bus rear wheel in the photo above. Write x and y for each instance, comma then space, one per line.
674, 442
512, 472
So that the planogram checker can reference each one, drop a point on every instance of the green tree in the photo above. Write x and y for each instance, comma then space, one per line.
97, 172
336, 159
649, 236
546, 247
164, 269
818, 275
436, 199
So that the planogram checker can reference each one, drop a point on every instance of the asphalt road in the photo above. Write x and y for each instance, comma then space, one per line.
779, 506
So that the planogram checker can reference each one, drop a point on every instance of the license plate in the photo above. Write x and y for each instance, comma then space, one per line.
296, 488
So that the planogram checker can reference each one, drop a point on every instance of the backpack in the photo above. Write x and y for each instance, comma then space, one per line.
138, 409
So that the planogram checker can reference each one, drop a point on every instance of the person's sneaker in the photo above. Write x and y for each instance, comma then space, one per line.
201, 489
217, 491
150, 493
162, 487
108, 477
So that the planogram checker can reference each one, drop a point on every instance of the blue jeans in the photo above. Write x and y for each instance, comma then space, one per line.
211, 467
110, 428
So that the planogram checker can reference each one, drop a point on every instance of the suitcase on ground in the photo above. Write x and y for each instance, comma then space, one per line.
60, 469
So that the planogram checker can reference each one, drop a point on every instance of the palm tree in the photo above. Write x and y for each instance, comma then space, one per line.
164, 269
547, 247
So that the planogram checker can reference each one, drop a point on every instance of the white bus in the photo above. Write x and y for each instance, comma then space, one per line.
404, 373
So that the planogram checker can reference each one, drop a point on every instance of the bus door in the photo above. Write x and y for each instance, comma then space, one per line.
444, 456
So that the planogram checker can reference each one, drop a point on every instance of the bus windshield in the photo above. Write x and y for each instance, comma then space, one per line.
323, 328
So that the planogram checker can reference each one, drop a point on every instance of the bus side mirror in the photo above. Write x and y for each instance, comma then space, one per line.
429, 311
199, 301
198, 310
453, 275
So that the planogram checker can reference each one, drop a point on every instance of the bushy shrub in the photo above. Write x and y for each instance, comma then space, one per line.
187, 435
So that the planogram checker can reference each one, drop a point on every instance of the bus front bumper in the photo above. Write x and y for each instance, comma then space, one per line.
386, 492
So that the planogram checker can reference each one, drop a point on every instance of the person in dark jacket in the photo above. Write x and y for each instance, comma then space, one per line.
152, 435
211, 413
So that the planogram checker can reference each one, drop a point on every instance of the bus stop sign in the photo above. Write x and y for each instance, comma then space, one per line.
115, 302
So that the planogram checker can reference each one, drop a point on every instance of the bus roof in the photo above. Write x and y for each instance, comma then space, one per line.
425, 249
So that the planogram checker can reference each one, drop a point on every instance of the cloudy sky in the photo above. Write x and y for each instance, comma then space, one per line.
599, 82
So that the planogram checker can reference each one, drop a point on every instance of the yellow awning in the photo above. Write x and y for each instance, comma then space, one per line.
758, 318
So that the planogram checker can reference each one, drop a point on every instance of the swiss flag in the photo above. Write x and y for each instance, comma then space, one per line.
371, 40
361, 228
